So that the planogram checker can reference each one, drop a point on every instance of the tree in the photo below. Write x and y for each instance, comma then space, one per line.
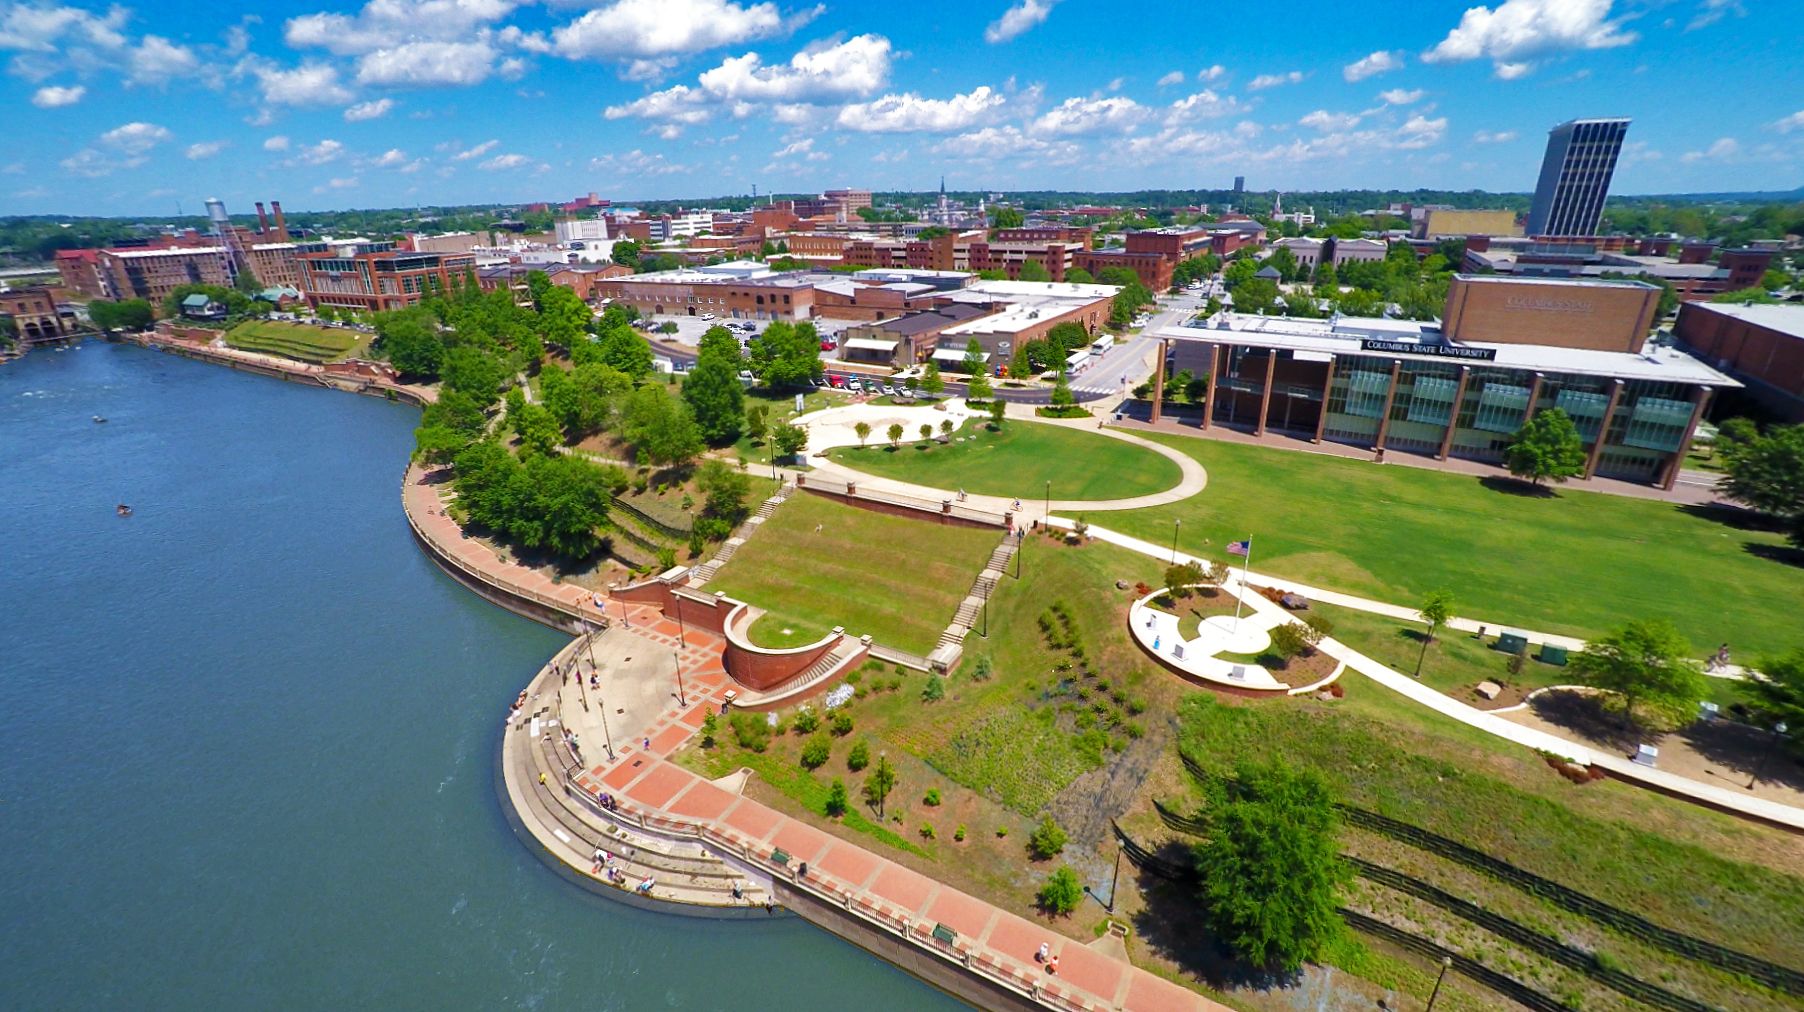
1548, 446
1256, 295
1180, 578
1766, 472
935, 689
946, 429
128, 314
1006, 217
474, 372
1437, 608
618, 347
998, 408
1061, 892
788, 439
816, 752
563, 318
1022, 365
1781, 692
859, 757
1079, 276
1061, 394
926, 431
863, 429
1745, 296
625, 253
1270, 866
879, 783
1289, 639
712, 389
1647, 663
710, 729
978, 388
930, 379
786, 354
837, 801
895, 435
724, 491
1048, 839
660, 428
539, 432
1034, 270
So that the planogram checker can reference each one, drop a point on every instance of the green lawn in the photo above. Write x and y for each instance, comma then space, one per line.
297, 340
1454, 663
898, 579
1577, 562
1018, 461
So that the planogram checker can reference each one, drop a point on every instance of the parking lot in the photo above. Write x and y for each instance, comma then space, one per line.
691, 328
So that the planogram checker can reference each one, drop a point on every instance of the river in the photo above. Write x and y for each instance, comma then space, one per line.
248, 734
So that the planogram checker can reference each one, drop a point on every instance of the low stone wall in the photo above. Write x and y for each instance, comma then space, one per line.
763, 668
917, 509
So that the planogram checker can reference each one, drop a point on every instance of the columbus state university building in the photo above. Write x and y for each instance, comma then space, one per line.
1504, 348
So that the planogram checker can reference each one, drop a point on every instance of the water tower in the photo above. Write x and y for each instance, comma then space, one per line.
227, 236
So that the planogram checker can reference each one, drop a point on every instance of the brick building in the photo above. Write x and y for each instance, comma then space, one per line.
34, 313
739, 291
152, 274
1763, 346
374, 277
80, 272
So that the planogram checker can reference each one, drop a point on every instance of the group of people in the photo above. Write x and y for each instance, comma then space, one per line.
1046, 957
608, 804
1719, 660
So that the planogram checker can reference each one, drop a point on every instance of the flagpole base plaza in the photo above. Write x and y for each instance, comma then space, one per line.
1194, 657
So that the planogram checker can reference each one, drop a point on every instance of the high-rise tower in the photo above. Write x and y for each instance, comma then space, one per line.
1575, 176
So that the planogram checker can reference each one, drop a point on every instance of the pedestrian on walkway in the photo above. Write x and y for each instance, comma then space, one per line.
541, 779
648, 744
1045, 950
1052, 965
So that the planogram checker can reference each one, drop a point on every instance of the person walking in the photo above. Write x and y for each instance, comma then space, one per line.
1045, 950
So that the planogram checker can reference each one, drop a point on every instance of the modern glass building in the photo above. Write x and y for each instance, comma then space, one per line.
1407, 387
1575, 176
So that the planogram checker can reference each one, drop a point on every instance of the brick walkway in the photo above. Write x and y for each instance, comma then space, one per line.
1000, 942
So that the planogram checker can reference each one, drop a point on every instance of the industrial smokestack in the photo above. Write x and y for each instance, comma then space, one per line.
275, 207
262, 220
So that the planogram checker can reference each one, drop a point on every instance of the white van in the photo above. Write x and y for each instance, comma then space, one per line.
1102, 344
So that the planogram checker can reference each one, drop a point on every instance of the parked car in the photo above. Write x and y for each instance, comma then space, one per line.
828, 345
746, 377
835, 382
854, 386
889, 389
707, 316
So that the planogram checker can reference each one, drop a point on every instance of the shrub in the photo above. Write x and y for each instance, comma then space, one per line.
927, 830
816, 752
980, 668
900, 670
894, 684
932, 799
837, 800
859, 757
1288, 640
959, 833
1001, 831
855, 677
935, 690
712, 529
806, 721
1047, 839
842, 723
710, 728
1062, 892
751, 731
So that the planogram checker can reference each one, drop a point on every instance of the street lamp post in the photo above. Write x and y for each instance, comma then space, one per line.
625, 618
677, 607
682, 697
1176, 523
1446, 963
1779, 730
1020, 545
1048, 517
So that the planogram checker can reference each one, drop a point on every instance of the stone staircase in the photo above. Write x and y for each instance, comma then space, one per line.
950, 647
700, 575
830, 665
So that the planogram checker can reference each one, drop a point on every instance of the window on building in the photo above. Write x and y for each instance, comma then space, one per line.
1586, 409
1501, 407
1431, 400
1656, 423
1366, 391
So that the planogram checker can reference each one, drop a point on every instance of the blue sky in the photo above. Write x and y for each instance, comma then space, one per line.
129, 108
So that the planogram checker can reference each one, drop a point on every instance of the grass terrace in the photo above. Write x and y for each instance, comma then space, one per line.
298, 340
1574, 562
1017, 461
896, 578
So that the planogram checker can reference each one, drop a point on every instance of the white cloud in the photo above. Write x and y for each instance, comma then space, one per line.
307, 84
1712, 11
1024, 15
1010, 142
1175, 77
1214, 73
640, 29
1274, 80
802, 149
910, 112
500, 162
41, 28
392, 158
156, 60
637, 163
1724, 149
91, 164
428, 64
386, 24
1330, 122
1494, 136
1091, 115
1381, 62
135, 138
206, 149
55, 97
1400, 96
1205, 104
857, 66
1420, 132
679, 104
1793, 122
476, 152
369, 110
648, 70
1515, 33
276, 143
320, 154
342, 183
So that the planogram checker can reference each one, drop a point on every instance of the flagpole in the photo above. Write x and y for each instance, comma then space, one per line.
1240, 598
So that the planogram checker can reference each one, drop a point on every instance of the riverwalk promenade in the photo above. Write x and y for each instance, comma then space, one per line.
707, 838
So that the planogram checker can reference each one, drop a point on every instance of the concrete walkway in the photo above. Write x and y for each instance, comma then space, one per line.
833, 427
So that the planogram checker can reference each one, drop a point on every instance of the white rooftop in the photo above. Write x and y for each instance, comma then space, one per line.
181, 251
1788, 320
1343, 336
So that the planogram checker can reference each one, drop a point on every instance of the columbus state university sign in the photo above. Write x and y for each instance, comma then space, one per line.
1439, 350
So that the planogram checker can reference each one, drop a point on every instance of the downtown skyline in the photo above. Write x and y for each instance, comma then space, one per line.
124, 110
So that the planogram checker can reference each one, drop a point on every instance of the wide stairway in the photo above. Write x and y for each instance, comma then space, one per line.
950, 648
831, 663
701, 574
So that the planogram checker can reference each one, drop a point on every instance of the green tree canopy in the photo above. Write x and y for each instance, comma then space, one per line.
1061, 893
1781, 694
1767, 472
619, 347
410, 340
712, 389
1006, 217
786, 354
127, 314
1547, 447
1271, 869
1649, 665
724, 491
660, 427
473, 371
1033, 270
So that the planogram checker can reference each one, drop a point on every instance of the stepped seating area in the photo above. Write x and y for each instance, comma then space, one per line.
309, 344
844, 655
683, 870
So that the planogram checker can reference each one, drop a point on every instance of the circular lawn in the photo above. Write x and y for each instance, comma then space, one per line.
1017, 461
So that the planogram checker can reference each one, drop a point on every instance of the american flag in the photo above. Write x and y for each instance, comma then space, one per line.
1240, 547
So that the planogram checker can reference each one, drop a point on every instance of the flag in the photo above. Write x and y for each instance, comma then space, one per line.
1241, 547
